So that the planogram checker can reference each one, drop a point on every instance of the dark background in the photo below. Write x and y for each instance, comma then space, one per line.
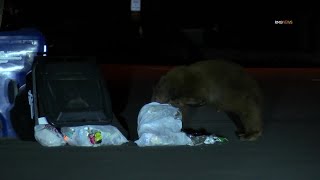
175, 32
289, 147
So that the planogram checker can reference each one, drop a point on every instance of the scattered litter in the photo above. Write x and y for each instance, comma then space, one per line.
93, 135
206, 139
88, 136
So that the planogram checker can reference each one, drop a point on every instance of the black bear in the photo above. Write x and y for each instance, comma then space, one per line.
222, 84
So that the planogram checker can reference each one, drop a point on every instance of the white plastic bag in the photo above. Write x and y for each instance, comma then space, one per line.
172, 139
160, 124
93, 135
48, 135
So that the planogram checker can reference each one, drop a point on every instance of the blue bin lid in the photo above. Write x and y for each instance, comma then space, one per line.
17, 48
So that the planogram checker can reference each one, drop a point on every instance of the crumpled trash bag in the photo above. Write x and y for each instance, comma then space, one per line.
160, 124
89, 135
93, 135
48, 135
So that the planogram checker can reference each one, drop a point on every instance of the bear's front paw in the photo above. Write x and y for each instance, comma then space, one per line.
252, 136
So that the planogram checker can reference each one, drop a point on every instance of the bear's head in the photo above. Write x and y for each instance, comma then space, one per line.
178, 87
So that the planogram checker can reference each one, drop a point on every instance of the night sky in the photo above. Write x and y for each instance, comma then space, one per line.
170, 28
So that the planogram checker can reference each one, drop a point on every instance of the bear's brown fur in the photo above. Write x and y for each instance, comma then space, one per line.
224, 85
